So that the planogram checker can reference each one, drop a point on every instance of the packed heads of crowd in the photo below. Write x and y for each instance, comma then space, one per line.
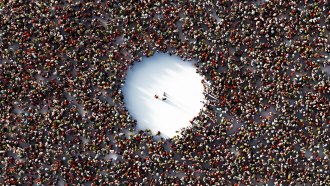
266, 68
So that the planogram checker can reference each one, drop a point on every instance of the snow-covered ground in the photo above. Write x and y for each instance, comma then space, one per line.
154, 76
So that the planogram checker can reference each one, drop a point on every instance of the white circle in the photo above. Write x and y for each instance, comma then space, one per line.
183, 92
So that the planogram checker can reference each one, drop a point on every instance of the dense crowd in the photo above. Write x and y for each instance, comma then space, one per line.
62, 113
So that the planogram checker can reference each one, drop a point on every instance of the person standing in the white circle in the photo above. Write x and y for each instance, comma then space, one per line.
164, 97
